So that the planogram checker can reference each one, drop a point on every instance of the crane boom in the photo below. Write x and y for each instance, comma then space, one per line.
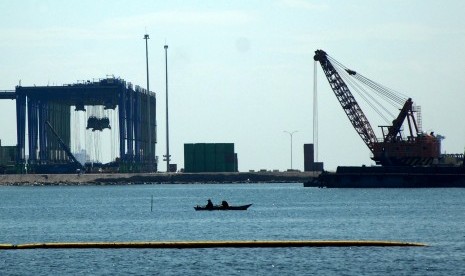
347, 100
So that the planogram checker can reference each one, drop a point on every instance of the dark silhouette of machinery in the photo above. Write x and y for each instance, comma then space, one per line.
100, 124
46, 113
394, 149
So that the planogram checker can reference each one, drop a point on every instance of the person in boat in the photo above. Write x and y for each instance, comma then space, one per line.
209, 204
224, 204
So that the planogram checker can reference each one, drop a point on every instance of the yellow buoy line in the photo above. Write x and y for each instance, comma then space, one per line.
207, 244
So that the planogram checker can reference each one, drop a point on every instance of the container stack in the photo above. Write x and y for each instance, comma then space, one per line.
210, 157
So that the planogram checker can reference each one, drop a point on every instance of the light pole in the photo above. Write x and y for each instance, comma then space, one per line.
146, 37
167, 156
290, 134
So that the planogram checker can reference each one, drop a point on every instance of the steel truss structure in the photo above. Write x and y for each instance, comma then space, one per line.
38, 105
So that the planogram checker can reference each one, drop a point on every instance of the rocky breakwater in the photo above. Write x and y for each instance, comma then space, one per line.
154, 178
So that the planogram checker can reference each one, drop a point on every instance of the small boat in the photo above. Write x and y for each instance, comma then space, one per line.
222, 208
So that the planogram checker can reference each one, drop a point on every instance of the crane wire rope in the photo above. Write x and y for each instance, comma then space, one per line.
370, 95
364, 94
315, 113
393, 94
378, 88
390, 96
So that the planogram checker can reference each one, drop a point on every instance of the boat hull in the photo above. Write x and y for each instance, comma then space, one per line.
221, 208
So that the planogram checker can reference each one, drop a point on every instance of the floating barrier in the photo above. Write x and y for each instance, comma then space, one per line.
6, 246
206, 244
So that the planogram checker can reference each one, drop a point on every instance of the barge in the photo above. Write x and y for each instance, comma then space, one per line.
391, 177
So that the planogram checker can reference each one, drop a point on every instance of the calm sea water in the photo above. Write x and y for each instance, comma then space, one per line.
279, 212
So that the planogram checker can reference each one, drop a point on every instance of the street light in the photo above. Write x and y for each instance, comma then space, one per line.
146, 37
290, 134
167, 156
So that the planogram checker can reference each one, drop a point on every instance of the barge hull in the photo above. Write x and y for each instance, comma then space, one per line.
392, 177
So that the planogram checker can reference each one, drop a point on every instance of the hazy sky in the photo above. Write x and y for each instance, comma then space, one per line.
242, 71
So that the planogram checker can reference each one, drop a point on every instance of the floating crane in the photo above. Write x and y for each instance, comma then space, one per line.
417, 149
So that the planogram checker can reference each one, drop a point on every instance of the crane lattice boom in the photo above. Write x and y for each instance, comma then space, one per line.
347, 100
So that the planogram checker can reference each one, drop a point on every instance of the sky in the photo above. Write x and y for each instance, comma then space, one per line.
243, 71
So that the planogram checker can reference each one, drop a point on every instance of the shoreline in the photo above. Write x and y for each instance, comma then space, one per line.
153, 178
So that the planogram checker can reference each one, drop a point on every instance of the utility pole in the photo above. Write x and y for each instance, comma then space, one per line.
149, 138
167, 156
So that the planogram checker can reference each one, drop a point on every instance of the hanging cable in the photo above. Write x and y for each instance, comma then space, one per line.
315, 113
367, 89
373, 103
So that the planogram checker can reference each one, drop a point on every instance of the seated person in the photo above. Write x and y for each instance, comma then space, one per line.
224, 204
209, 204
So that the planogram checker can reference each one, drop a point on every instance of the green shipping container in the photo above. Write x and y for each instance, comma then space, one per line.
210, 157
189, 157
230, 158
220, 164
199, 157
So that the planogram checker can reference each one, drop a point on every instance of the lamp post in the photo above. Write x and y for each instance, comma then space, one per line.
290, 134
167, 156
146, 37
